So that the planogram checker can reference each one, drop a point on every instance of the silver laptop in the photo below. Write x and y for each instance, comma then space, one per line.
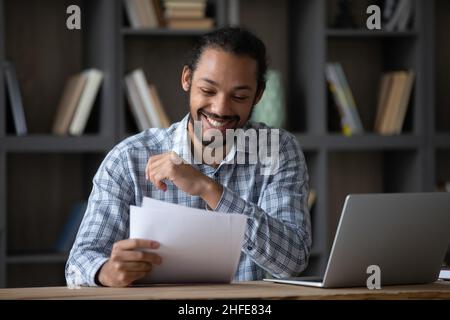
405, 234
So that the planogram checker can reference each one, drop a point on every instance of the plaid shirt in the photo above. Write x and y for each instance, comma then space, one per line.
277, 241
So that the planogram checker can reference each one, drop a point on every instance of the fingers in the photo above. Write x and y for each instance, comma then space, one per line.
152, 163
136, 256
131, 244
135, 266
160, 164
156, 173
124, 279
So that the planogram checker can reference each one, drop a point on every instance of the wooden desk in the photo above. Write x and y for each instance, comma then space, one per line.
243, 290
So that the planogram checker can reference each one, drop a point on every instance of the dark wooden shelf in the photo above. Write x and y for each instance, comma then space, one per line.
163, 32
49, 143
442, 140
363, 33
37, 258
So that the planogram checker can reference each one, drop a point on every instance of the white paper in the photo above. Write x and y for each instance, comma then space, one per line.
195, 245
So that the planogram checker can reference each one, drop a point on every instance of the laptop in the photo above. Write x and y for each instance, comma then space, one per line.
405, 234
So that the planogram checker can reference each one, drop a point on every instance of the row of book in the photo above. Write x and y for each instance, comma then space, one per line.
79, 95
76, 102
173, 14
393, 100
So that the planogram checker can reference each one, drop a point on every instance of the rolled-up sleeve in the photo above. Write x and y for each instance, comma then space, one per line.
278, 235
105, 220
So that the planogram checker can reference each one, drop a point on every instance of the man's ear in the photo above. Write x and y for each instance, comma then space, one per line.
186, 78
259, 93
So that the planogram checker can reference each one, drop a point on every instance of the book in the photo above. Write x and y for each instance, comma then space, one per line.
15, 98
350, 100
162, 115
350, 121
400, 114
69, 231
185, 5
143, 13
94, 78
386, 82
144, 101
144, 93
311, 198
184, 14
393, 101
136, 107
132, 11
68, 104
186, 24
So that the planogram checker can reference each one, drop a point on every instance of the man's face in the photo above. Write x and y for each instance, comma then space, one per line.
223, 91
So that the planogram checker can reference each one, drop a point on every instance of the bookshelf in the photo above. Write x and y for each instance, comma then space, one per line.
42, 175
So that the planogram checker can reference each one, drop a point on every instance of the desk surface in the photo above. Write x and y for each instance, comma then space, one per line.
243, 290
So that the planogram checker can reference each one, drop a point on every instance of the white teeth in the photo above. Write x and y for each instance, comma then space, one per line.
215, 123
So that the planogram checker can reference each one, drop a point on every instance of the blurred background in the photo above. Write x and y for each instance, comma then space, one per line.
370, 108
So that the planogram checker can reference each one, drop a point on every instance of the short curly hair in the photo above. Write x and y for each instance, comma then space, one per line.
234, 40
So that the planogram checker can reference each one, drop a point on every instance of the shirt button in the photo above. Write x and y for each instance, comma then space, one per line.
249, 248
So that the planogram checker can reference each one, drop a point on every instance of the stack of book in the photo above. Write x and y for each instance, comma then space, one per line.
187, 14
76, 102
144, 13
343, 97
144, 102
393, 101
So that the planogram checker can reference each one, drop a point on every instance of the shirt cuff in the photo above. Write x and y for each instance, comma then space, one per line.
94, 268
230, 202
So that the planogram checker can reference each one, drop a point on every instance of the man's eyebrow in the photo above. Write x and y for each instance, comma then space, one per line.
212, 82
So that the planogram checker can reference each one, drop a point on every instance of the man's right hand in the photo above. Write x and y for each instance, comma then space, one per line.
127, 264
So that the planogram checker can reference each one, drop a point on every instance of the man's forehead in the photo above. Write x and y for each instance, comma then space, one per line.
215, 62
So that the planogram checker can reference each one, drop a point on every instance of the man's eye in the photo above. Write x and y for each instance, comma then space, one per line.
239, 98
207, 92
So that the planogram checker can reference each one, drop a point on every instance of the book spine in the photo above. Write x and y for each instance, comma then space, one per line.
87, 99
15, 99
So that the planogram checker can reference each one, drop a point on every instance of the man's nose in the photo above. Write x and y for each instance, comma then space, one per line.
221, 105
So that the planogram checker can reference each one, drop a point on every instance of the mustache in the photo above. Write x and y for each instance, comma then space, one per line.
216, 116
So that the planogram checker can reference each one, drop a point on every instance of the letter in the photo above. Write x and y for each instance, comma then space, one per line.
213, 152
373, 21
74, 20
180, 310
197, 141
269, 164
241, 136
208, 310
374, 280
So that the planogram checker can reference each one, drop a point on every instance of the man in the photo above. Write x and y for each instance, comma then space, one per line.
224, 77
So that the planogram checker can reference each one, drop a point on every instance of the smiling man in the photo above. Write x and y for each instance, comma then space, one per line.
224, 77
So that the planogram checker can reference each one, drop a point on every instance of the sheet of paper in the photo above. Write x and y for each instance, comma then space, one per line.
195, 245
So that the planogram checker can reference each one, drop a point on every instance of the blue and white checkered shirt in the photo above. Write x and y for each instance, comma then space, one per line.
277, 241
